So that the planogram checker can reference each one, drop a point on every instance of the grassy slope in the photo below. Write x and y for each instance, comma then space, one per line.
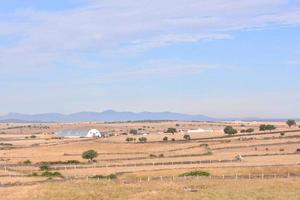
209, 189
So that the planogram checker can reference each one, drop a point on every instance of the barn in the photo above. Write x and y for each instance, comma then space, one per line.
78, 133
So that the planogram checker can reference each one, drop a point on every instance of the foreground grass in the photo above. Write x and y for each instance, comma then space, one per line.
208, 189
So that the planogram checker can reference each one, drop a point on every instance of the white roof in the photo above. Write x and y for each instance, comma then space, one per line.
76, 132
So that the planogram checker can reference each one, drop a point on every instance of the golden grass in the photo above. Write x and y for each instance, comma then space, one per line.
208, 189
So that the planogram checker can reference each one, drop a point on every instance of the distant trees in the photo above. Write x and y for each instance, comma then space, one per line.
267, 127
171, 130
291, 123
229, 130
89, 155
187, 137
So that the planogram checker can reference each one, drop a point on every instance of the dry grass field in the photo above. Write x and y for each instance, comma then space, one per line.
23, 147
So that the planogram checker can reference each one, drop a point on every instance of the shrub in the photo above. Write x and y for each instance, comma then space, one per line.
51, 174
161, 155
267, 127
6, 144
173, 139
230, 130
195, 173
27, 162
32, 136
165, 138
72, 162
89, 155
129, 139
187, 137
111, 176
152, 156
249, 130
44, 167
143, 139
133, 132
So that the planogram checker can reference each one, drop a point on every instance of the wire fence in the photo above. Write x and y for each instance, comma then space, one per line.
261, 176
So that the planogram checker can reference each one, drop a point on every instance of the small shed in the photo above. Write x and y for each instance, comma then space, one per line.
78, 133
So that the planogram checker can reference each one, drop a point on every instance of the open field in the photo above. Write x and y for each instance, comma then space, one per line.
210, 189
270, 159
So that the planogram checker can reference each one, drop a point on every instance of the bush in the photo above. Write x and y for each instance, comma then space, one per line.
249, 130
195, 173
143, 139
129, 139
133, 132
173, 139
111, 176
27, 162
90, 155
152, 156
187, 137
267, 127
165, 138
230, 130
51, 174
44, 167
6, 144
32, 136
161, 155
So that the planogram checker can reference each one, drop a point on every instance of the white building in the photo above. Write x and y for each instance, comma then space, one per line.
78, 133
200, 130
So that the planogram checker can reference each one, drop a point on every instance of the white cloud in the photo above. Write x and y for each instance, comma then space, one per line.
110, 26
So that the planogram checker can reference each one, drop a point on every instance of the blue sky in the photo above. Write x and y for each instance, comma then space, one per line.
220, 58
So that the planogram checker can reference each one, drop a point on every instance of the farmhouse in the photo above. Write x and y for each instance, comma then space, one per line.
78, 133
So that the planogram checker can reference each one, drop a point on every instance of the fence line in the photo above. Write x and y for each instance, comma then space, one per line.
160, 178
66, 167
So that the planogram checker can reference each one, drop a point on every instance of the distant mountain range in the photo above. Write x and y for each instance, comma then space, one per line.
111, 115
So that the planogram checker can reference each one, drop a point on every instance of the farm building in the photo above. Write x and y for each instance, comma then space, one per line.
78, 133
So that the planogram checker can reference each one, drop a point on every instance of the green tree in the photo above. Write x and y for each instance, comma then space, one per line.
291, 123
89, 155
230, 130
171, 130
249, 130
268, 127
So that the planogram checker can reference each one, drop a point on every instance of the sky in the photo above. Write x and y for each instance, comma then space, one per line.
220, 58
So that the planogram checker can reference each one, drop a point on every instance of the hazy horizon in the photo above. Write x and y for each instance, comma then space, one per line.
220, 58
